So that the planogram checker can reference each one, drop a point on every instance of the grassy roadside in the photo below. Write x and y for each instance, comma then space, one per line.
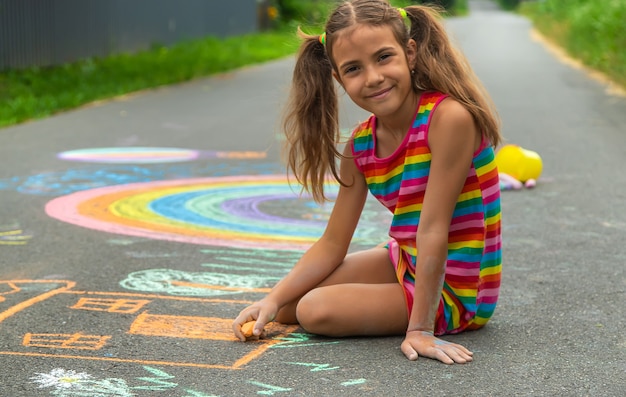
40, 92
592, 31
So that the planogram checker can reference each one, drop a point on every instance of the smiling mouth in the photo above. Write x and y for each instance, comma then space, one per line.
379, 94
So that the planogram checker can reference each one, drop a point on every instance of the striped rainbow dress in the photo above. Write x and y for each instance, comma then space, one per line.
472, 279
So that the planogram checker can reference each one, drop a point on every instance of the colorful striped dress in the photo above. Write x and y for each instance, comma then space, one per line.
472, 279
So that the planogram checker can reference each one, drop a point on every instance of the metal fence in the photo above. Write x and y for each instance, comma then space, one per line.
54, 32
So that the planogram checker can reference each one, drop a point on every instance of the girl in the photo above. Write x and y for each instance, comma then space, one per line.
426, 153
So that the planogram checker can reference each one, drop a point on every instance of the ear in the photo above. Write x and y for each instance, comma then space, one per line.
337, 78
411, 53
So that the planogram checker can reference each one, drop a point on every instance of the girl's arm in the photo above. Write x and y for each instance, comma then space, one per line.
322, 258
453, 138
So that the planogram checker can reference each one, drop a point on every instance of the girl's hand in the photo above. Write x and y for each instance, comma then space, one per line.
424, 343
262, 311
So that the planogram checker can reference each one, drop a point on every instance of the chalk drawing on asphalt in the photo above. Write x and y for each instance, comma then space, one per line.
76, 341
148, 255
57, 183
182, 283
297, 339
269, 390
354, 382
61, 379
151, 324
69, 383
150, 155
249, 211
316, 367
13, 235
236, 258
159, 381
61, 382
95, 325
228, 271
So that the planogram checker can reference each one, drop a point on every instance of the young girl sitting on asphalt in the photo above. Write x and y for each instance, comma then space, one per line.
426, 153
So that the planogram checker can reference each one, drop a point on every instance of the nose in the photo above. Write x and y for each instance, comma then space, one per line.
373, 77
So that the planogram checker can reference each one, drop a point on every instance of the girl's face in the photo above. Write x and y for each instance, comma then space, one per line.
373, 68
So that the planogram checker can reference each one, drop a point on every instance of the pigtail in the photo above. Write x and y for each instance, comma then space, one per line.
311, 122
441, 67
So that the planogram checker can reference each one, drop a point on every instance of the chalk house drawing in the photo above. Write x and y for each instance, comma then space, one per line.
95, 325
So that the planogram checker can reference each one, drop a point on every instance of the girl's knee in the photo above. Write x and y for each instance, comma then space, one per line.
313, 313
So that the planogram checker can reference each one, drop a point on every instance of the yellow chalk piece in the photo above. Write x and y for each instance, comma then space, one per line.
247, 329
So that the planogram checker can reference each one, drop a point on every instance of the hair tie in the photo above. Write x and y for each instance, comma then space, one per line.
322, 39
403, 13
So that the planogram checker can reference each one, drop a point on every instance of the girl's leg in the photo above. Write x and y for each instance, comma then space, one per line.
354, 310
361, 297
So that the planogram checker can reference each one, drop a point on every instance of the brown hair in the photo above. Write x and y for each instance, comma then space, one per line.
311, 122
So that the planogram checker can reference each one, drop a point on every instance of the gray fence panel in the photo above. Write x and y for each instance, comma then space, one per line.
53, 32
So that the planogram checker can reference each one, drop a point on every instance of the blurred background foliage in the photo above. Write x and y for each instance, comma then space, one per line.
593, 31
314, 12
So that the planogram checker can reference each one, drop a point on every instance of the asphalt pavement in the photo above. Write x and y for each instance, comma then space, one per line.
132, 231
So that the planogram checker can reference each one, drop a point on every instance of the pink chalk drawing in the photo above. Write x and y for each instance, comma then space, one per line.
150, 155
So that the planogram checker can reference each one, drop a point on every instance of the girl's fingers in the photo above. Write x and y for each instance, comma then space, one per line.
409, 351
463, 349
238, 334
238, 323
443, 356
446, 352
456, 355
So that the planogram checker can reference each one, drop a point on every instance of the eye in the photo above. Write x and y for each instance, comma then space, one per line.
350, 69
384, 57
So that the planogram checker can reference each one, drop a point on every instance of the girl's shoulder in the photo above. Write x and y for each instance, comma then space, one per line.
453, 125
365, 128
363, 135
362, 139
432, 97
453, 112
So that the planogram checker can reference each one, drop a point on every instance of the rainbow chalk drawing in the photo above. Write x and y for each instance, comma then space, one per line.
248, 211
150, 155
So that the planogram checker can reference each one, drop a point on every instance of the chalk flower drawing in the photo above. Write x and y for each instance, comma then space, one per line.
69, 383
61, 379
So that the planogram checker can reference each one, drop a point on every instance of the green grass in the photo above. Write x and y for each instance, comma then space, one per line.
459, 8
593, 31
509, 4
40, 92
